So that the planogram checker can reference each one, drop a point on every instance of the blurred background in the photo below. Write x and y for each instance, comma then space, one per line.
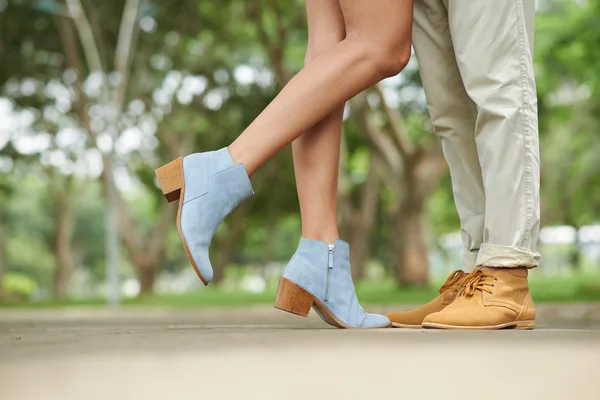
95, 94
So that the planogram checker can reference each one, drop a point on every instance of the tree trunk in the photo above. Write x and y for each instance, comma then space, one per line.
356, 223
219, 271
411, 246
225, 246
148, 265
63, 256
147, 276
146, 249
575, 256
360, 250
574, 253
361, 235
224, 256
412, 171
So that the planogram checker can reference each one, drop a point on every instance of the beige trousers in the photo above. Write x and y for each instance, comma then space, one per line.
475, 59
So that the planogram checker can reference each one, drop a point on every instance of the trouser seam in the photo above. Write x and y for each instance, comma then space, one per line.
525, 132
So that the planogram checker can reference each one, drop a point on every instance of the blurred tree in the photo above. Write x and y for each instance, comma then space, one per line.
567, 59
63, 234
413, 170
30, 221
358, 216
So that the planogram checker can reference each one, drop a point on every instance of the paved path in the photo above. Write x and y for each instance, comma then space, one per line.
265, 354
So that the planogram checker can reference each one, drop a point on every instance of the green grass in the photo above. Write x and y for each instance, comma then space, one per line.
578, 288
583, 287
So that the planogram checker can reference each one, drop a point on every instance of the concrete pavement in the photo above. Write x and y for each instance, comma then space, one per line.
262, 353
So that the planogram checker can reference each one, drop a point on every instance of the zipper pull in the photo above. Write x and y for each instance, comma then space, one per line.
331, 248
329, 268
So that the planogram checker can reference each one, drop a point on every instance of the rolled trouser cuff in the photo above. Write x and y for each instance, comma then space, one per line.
469, 260
493, 255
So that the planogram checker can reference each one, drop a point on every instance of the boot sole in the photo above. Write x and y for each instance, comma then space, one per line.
405, 326
295, 300
170, 179
519, 325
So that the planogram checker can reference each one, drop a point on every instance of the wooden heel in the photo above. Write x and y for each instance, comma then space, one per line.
292, 298
170, 179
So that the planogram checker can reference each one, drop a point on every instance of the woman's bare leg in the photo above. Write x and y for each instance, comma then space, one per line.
377, 45
317, 152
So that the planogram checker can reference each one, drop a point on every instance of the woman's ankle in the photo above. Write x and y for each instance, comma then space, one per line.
327, 237
237, 156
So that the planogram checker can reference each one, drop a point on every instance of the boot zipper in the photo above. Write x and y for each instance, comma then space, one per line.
329, 268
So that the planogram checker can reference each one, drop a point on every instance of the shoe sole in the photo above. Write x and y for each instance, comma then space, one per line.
519, 325
295, 300
170, 179
405, 326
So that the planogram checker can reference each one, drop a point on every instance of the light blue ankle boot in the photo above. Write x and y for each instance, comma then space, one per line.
318, 276
208, 186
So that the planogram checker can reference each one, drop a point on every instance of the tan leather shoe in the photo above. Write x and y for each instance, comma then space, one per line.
448, 292
489, 300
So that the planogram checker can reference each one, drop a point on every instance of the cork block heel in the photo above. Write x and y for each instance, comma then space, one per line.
292, 298
170, 179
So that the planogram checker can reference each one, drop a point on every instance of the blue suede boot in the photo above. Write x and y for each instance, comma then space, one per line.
318, 276
208, 186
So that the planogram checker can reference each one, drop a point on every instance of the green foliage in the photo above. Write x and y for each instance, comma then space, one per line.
18, 287
88, 232
443, 216
568, 80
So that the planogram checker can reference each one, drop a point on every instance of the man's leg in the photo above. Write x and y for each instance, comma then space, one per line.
453, 114
493, 43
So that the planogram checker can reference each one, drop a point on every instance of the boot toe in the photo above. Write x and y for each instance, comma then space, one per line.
408, 318
443, 318
464, 319
376, 321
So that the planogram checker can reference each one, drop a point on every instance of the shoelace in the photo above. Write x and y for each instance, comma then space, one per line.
452, 280
478, 280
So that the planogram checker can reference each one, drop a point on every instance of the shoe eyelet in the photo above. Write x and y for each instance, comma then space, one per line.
456, 291
491, 293
495, 279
